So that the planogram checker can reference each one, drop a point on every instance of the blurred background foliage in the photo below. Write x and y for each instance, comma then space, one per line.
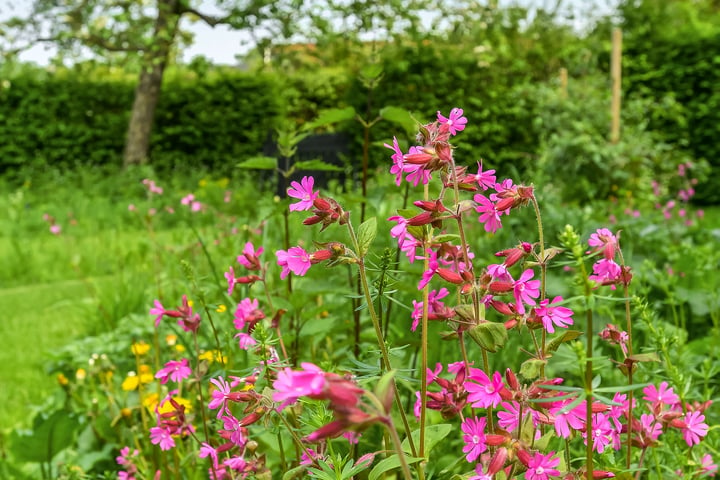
501, 64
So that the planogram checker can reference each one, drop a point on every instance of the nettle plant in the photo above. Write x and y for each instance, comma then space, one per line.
278, 418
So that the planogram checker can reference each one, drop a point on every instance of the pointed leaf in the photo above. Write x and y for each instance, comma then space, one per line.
388, 464
530, 369
366, 234
259, 163
434, 434
330, 116
316, 165
401, 117
567, 336
490, 336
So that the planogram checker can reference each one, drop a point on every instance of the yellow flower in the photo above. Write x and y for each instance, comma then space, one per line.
171, 339
179, 348
125, 412
140, 348
191, 303
221, 309
131, 382
80, 374
106, 376
167, 406
62, 379
146, 374
149, 401
213, 356
203, 182
223, 182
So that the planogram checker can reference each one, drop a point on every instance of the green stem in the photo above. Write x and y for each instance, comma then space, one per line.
378, 334
543, 274
588, 391
398, 448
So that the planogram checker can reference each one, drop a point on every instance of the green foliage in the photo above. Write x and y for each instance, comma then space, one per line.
65, 120
673, 50
578, 161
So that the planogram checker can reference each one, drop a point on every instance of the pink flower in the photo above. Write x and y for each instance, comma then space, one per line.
245, 340
432, 268
540, 467
303, 191
484, 392
708, 467
456, 121
602, 432
436, 308
174, 370
695, 428
485, 179
604, 240
295, 260
605, 271
161, 436
488, 215
55, 229
230, 277
249, 258
480, 474
572, 419
662, 396
474, 438
651, 428
159, 311
220, 395
291, 385
206, 450
187, 199
525, 290
552, 316
398, 167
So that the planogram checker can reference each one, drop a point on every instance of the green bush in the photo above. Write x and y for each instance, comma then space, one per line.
66, 119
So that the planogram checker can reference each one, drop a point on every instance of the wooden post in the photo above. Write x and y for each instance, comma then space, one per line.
616, 73
563, 82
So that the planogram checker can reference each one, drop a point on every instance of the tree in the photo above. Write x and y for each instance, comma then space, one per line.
142, 31
147, 32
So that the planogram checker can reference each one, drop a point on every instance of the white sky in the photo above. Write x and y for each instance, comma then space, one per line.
221, 45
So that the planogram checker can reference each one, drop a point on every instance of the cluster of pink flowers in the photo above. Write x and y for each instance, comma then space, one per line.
190, 201
152, 187
55, 228
187, 319
343, 396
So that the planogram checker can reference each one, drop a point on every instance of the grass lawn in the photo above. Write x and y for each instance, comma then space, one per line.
38, 319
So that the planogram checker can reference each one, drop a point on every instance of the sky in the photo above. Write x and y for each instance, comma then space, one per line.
221, 45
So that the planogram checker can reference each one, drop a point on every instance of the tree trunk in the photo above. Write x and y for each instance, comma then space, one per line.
147, 92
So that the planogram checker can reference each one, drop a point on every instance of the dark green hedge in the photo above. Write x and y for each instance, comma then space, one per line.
688, 69
66, 120
424, 78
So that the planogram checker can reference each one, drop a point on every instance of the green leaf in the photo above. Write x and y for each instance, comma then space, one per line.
49, 437
445, 237
295, 473
388, 464
316, 165
259, 163
384, 390
490, 336
366, 234
401, 117
622, 388
330, 116
645, 357
567, 336
434, 434
530, 369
